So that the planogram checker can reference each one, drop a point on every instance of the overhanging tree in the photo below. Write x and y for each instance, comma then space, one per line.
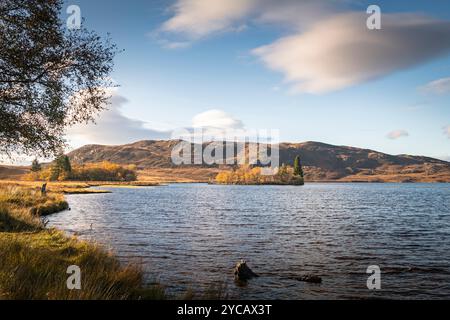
50, 77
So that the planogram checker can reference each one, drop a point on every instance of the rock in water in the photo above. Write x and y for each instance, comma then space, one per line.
242, 272
310, 278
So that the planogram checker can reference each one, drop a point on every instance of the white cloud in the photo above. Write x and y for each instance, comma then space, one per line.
211, 125
340, 52
447, 131
397, 134
329, 48
440, 86
216, 119
196, 19
199, 18
113, 127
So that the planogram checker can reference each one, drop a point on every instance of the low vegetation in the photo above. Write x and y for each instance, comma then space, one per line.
62, 170
23, 200
245, 174
34, 260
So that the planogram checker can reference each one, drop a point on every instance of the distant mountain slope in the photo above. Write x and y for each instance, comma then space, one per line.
12, 172
144, 154
322, 161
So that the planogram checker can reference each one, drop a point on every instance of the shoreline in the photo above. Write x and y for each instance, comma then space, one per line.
28, 246
37, 257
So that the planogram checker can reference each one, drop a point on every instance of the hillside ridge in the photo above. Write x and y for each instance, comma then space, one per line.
322, 161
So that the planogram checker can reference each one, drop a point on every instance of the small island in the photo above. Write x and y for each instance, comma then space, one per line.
251, 175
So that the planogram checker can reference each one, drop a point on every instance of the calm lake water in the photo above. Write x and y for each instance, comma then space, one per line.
189, 236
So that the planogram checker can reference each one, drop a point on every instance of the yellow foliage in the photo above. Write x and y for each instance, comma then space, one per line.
245, 174
103, 171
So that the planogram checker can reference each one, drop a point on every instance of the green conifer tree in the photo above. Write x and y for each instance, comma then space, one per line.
298, 170
36, 166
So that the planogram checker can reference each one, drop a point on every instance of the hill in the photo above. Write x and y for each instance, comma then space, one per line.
322, 162
12, 172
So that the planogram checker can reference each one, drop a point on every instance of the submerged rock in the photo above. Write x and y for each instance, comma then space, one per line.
310, 278
242, 272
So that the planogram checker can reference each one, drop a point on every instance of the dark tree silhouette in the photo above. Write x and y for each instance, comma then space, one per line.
63, 162
36, 166
61, 167
50, 77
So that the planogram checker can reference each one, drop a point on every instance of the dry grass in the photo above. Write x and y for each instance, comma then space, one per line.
33, 266
72, 187
177, 175
19, 199
34, 260
412, 173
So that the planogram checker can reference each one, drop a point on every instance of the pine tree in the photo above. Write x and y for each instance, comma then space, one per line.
61, 168
65, 164
35, 166
55, 172
298, 171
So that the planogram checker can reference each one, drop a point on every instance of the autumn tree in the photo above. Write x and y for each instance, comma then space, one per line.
51, 77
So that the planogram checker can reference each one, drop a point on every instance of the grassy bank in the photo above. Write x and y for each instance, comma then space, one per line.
74, 187
34, 260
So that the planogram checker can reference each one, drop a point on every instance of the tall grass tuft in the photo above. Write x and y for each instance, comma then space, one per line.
34, 260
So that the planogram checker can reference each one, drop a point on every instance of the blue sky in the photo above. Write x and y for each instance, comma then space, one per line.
310, 78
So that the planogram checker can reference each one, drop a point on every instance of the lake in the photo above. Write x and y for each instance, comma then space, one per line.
189, 236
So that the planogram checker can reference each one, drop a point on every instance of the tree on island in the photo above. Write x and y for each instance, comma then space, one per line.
51, 77
298, 170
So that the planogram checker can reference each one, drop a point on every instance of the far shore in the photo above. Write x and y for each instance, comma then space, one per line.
162, 176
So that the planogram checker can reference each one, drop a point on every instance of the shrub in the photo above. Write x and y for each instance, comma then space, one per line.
103, 171
34, 260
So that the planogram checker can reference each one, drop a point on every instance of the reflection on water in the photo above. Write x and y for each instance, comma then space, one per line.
191, 235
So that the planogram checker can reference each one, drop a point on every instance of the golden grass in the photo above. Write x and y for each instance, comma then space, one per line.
21, 199
74, 187
177, 175
34, 260
34, 265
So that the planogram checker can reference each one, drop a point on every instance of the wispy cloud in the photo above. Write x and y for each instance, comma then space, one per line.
440, 86
213, 124
397, 134
113, 127
197, 18
341, 52
216, 119
329, 46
